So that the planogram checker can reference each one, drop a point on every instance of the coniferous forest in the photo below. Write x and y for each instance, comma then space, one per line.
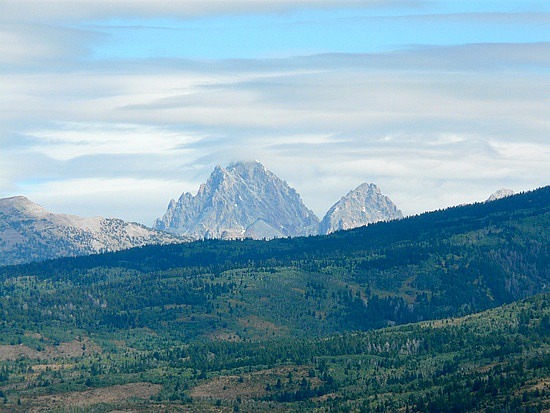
441, 312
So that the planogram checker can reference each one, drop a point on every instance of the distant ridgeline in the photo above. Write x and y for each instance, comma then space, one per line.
438, 264
244, 200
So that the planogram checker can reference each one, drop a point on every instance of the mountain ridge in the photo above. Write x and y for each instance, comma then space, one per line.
246, 200
243, 200
29, 232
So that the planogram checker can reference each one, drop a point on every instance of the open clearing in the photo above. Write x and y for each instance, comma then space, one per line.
110, 394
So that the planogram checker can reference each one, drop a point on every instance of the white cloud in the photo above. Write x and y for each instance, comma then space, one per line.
431, 126
96, 9
24, 44
522, 151
138, 200
73, 140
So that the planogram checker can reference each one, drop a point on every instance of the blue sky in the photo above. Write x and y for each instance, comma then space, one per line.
334, 30
113, 108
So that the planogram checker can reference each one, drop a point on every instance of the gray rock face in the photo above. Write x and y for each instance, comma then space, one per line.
501, 193
242, 200
362, 206
28, 233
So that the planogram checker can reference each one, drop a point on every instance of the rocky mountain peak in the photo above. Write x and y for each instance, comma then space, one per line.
366, 187
364, 205
249, 169
499, 194
242, 200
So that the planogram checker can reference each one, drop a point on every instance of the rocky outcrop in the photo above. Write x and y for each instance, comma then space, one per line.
364, 205
240, 201
29, 232
499, 194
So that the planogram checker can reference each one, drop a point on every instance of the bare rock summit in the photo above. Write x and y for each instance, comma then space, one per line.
243, 200
364, 205
501, 193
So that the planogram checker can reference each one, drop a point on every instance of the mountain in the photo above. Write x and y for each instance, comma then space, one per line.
293, 324
364, 205
244, 200
440, 264
28, 232
501, 193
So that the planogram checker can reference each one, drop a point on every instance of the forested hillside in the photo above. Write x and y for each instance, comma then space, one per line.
439, 264
496, 361
280, 325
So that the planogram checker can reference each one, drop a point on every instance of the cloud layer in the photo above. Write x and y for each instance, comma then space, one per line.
434, 126
63, 10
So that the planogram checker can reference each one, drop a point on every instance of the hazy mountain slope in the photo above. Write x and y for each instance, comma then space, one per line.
364, 205
242, 200
28, 233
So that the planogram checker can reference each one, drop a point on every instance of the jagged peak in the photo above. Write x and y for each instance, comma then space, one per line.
218, 175
366, 187
364, 205
218, 171
236, 196
247, 169
499, 194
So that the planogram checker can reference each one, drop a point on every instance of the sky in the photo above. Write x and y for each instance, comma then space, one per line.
113, 107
